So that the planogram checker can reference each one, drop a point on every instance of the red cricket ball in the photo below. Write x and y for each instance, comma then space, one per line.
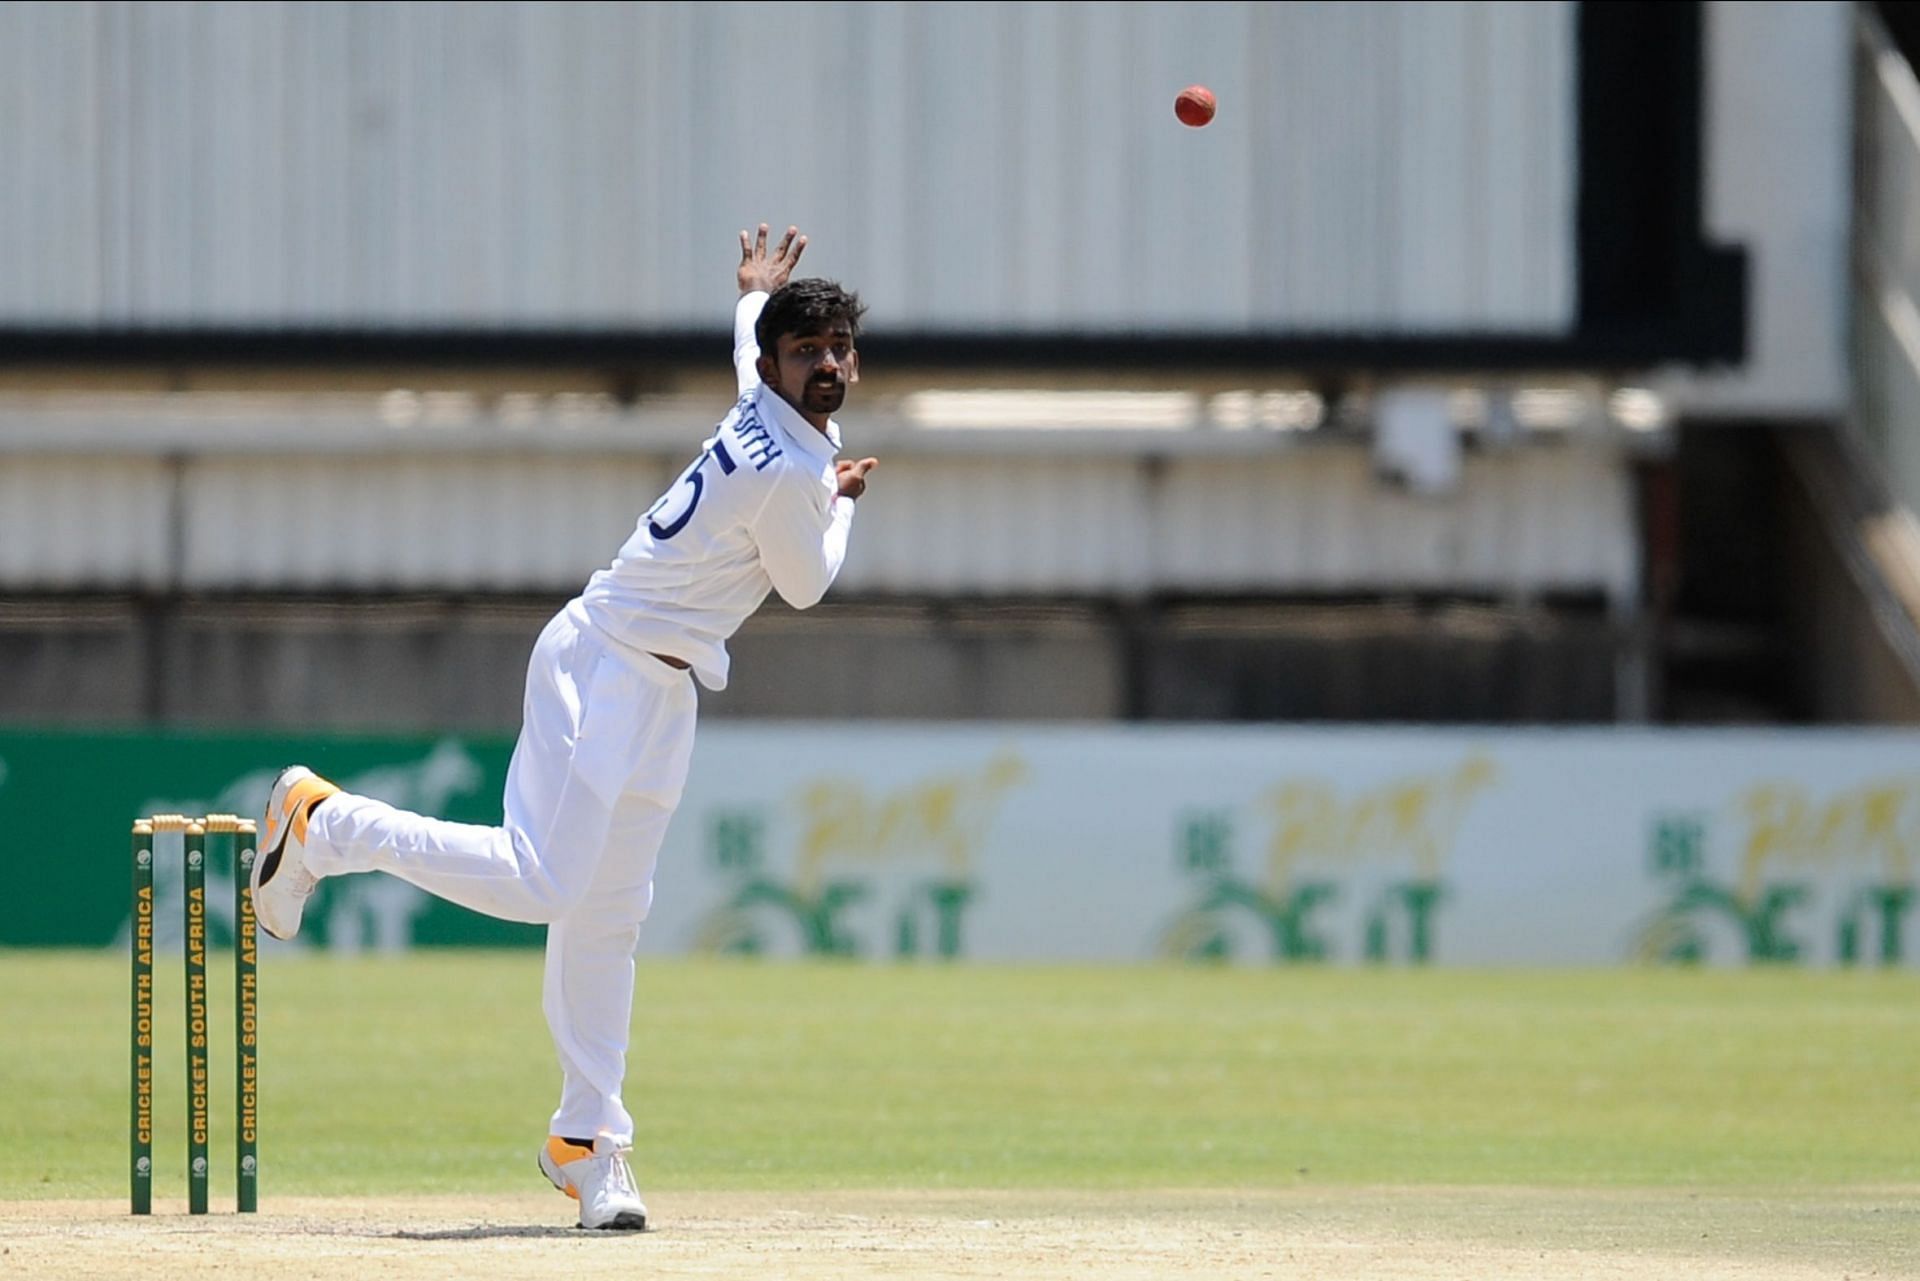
1195, 105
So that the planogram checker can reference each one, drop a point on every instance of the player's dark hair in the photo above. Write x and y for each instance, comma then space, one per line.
807, 307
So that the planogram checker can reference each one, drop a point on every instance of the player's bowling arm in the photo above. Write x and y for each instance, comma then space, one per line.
746, 348
760, 273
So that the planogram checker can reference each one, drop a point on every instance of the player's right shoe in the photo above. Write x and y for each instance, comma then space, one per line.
600, 1179
281, 881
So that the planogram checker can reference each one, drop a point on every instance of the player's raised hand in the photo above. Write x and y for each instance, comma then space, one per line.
853, 476
760, 271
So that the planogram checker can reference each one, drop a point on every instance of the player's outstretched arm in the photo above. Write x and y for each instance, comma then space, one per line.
802, 536
760, 274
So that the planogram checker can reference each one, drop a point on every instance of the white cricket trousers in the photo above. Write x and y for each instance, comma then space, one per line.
596, 774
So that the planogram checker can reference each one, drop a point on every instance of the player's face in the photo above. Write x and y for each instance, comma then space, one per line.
813, 371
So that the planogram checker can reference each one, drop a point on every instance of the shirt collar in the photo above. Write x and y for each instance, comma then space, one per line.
773, 406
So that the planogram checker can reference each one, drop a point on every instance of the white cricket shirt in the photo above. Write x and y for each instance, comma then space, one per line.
759, 510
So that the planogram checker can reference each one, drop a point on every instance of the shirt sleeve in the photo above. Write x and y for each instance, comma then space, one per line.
801, 532
746, 348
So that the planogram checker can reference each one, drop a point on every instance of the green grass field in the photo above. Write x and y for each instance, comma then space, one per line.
432, 1073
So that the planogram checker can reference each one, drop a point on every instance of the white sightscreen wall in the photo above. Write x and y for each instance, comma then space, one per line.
1374, 167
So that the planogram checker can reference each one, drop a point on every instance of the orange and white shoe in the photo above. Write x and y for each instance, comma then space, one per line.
600, 1179
281, 881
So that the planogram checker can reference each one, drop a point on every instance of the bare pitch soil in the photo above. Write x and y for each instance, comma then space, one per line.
1379, 1235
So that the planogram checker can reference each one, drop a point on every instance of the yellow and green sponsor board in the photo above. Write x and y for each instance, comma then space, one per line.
1250, 845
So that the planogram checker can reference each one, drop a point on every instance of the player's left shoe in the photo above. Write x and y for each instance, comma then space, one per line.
600, 1179
281, 882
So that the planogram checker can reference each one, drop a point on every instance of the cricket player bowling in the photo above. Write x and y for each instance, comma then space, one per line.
608, 717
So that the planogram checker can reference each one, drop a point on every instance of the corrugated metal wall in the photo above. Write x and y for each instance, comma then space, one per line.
1291, 521
1375, 167
74, 522
457, 522
1307, 521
